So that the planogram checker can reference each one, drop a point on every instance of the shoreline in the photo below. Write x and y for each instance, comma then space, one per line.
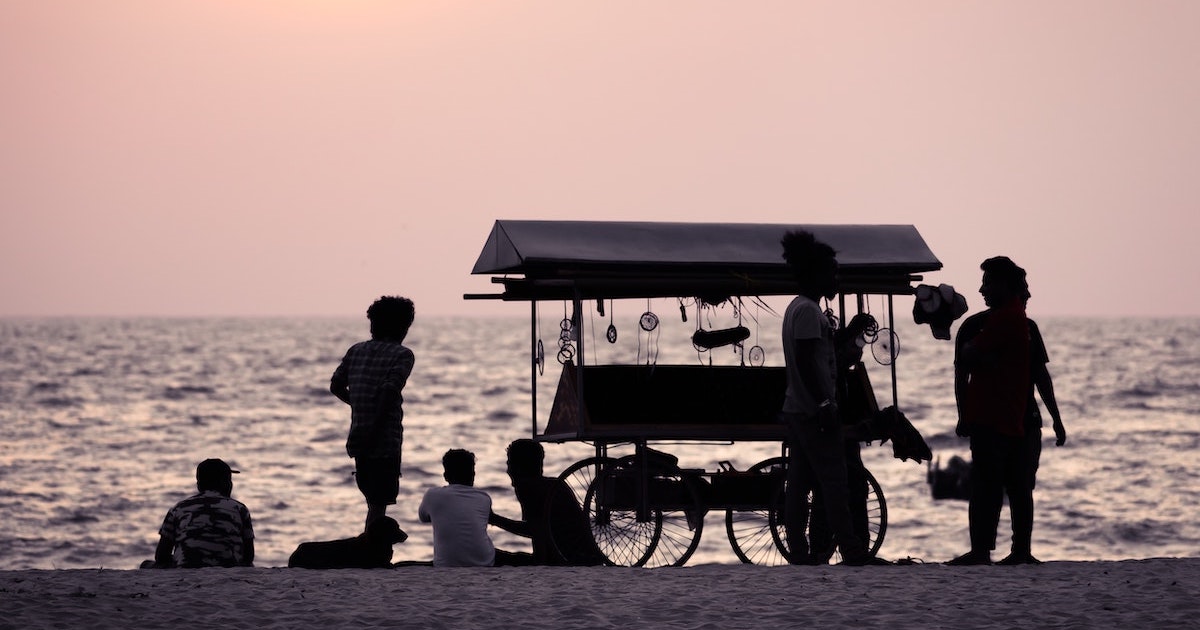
1156, 592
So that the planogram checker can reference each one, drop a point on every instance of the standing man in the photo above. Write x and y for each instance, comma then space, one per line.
208, 529
999, 359
459, 513
370, 379
816, 448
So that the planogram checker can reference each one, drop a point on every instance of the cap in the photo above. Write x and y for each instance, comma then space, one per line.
213, 469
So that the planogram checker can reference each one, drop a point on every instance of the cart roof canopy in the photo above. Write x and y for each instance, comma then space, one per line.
607, 259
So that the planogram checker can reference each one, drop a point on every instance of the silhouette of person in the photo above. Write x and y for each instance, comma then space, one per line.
208, 529
371, 549
459, 514
816, 448
551, 516
1000, 359
370, 378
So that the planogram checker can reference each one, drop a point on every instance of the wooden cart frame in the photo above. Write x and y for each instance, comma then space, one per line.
644, 510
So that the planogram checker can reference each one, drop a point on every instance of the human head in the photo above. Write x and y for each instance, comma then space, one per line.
390, 317
459, 465
525, 458
1003, 281
813, 263
214, 474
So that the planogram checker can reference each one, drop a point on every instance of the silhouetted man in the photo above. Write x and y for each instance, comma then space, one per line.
1000, 359
208, 529
816, 449
459, 514
370, 379
552, 518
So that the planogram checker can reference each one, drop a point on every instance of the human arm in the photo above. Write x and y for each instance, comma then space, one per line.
961, 377
163, 554
339, 385
1045, 388
423, 510
815, 378
520, 528
248, 552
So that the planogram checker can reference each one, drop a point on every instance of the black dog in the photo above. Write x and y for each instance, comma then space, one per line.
370, 550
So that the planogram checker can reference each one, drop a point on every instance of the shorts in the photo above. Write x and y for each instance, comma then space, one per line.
378, 478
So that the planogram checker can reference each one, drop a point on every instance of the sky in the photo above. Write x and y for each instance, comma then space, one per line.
303, 157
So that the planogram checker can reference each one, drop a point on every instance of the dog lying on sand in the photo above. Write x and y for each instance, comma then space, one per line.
369, 550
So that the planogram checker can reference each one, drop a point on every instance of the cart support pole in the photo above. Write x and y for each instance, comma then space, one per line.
892, 331
533, 365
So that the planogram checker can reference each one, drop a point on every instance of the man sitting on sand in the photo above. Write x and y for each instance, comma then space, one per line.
208, 529
459, 514
369, 550
553, 521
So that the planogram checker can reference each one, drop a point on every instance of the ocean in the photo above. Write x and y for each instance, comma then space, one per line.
102, 421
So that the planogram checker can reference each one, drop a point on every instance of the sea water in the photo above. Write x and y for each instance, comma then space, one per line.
103, 420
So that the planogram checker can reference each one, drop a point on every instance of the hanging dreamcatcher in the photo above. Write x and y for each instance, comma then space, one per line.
648, 329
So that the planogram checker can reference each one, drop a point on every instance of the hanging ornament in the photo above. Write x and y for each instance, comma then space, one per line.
886, 346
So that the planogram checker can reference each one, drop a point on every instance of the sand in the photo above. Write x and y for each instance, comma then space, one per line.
1158, 593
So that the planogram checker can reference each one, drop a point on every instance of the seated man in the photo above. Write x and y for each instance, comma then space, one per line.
553, 521
369, 550
459, 514
208, 529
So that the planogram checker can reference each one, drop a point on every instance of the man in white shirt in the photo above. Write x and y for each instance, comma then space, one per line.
459, 513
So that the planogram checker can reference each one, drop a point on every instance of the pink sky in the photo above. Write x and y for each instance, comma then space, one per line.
302, 157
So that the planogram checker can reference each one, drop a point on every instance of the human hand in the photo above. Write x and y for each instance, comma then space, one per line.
961, 429
827, 416
1060, 433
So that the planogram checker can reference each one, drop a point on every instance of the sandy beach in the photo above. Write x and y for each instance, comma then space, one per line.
1158, 593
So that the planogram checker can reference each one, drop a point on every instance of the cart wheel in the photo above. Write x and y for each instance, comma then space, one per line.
579, 475
758, 536
674, 518
876, 522
574, 543
752, 533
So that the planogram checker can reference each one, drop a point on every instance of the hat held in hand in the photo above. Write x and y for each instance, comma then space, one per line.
938, 306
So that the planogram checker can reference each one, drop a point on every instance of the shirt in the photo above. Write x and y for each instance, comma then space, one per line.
802, 320
209, 530
999, 386
459, 515
368, 367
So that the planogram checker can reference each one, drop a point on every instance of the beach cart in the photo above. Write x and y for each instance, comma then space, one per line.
643, 508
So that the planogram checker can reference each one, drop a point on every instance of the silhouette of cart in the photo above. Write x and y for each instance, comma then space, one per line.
642, 507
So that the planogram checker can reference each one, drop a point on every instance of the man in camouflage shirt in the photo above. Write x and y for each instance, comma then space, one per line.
208, 529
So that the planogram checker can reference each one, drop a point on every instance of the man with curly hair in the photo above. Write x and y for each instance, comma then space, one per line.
370, 379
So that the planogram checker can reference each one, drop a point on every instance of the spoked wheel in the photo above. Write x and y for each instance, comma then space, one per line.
579, 475
759, 537
578, 478
752, 532
667, 530
870, 514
